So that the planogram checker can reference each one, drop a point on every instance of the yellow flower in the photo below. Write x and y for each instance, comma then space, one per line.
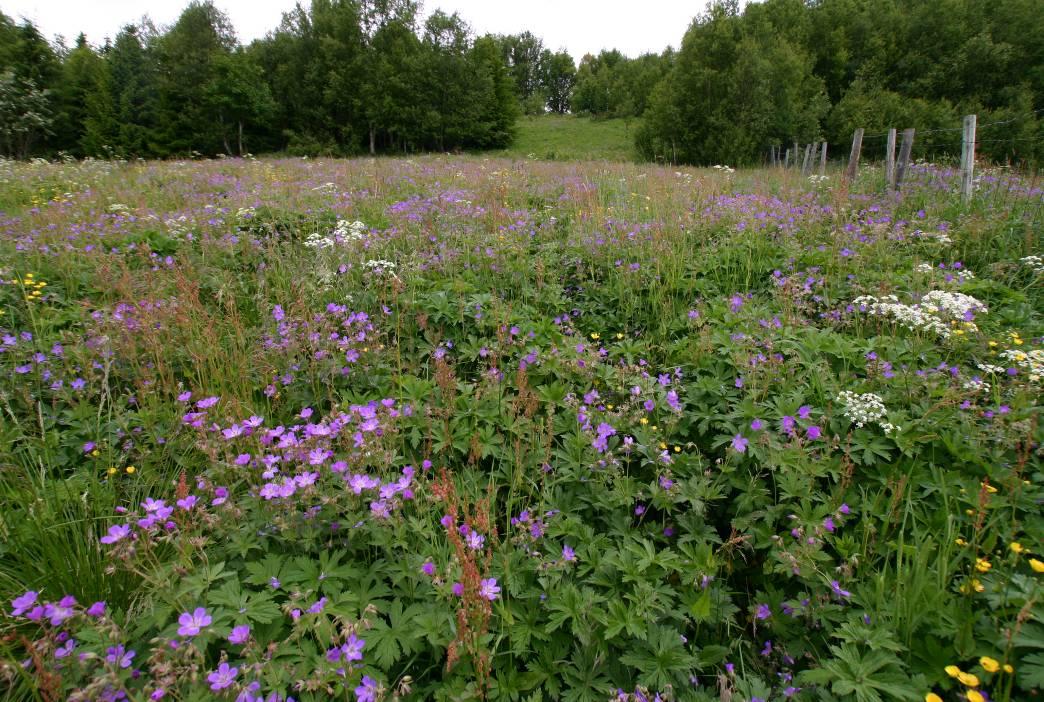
677, 449
112, 470
95, 453
595, 336
663, 445
961, 542
968, 679
1016, 547
974, 696
952, 670
990, 665
643, 421
610, 406
1037, 566
972, 585
619, 335
932, 697
130, 470
982, 565
992, 342
989, 488
1008, 668
655, 428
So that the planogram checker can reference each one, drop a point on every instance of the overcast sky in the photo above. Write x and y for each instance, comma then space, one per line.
579, 26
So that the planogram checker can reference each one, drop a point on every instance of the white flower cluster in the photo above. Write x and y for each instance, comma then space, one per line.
245, 213
350, 231
316, 240
327, 188
939, 312
817, 179
977, 385
119, 208
725, 169
179, 227
380, 267
1030, 361
865, 408
989, 368
960, 275
1034, 263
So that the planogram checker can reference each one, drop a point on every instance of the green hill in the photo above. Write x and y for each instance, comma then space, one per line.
572, 138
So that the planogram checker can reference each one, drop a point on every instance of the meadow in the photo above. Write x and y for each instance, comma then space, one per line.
461, 428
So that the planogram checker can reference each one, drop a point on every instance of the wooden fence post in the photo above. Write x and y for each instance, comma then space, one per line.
853, 158
822, 159
804, 163
797, 150
786, 159
904, 157
890, 161
968, 158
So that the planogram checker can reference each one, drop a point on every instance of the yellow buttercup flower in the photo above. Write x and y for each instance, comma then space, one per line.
619, 336
1037, 566
973, 585
595, 336
112, 470
130, 470
968, 679
932, 697
961, 542
952, 670
982, 565
990, 665
1016, 547
974, 696
643, 421
1008, 668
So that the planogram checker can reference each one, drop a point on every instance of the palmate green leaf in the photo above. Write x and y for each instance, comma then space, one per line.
257, 607
871, 677
662, 659
1030, 674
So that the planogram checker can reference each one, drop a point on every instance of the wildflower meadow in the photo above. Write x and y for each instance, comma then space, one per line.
466, 428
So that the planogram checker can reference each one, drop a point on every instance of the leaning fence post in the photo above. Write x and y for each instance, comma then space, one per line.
904, 157
797, 150
822, 159
853, 159
786, 159
968, 158
890, 161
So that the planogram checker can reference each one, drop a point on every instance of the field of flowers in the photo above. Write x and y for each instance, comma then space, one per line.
464, 428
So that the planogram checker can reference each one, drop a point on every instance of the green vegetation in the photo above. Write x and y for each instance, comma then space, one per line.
573, 138
346, 77
463, 428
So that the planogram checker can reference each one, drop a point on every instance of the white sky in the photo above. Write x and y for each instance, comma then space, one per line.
579, 26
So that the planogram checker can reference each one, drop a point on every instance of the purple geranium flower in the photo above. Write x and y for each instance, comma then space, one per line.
223, 677
23, 603
239, 634
191, 624
489, 589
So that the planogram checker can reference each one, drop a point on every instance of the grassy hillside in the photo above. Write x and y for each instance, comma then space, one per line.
571, 138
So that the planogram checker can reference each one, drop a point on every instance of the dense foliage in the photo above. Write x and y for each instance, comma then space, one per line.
344, 76
782, 71
356, 76
459, 428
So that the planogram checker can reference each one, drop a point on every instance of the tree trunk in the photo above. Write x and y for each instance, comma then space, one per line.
373, 140
241, 138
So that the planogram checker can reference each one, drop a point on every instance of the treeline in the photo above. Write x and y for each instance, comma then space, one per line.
345, 77
342, 77
782, 71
